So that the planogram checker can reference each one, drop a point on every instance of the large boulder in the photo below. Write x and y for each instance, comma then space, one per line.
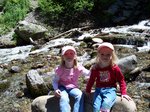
29, 32
124, 106
36, 84
49, 103
127, 64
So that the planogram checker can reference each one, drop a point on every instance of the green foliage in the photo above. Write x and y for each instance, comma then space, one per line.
84, 4
14, 10
50, 7
2, 2
67, 7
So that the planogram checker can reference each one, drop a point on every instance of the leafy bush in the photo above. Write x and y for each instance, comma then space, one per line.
84, 4
49, 7
14, 10
54, 8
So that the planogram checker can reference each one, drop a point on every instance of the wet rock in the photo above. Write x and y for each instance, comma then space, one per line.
15, 69
97, 40
19, 94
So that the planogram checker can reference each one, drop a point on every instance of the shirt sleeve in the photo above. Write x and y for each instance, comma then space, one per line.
121, 80
90, 82
55, 82
85, 72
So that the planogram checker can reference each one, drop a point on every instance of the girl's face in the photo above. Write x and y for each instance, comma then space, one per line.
105, 55
69, 56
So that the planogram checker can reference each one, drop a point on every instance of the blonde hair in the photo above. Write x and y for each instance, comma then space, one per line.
113, 60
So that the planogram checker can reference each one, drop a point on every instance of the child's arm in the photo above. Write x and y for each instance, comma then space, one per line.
55, 82
55, 86
122, 84
85, 72
90, 82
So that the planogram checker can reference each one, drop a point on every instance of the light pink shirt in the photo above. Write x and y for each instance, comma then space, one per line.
68, 77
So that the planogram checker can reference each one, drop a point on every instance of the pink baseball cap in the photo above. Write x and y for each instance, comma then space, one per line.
66, 48
105, 44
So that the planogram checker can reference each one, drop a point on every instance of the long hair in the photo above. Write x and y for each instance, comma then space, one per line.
113, 60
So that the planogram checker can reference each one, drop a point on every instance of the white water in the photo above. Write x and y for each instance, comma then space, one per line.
7, 55
143, 25
54, 43
129, 29
22, 52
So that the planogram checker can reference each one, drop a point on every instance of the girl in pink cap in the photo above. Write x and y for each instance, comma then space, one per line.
65, 82
106, 74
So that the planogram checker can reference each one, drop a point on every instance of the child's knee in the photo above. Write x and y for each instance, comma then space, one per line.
79, 95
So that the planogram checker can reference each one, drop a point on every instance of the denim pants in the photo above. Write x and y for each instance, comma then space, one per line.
104, 98
65, 101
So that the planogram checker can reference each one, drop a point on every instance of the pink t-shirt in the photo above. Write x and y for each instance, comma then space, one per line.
68, 77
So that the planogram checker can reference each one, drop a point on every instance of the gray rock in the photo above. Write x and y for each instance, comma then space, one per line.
35, 83
15, 69
51, 104
127, 64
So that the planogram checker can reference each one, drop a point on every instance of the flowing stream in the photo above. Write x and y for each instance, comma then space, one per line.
22, 52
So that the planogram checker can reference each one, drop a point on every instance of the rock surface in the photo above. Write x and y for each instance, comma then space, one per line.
50, 103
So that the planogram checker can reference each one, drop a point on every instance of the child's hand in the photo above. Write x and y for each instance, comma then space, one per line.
57, 93
126, 97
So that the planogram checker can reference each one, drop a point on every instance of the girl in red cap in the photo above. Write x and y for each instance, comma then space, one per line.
106, 74
65, 82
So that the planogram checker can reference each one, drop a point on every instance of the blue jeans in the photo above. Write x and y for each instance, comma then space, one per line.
104, 98
65, 101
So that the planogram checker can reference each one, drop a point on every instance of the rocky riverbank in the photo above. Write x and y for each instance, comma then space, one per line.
44, 56
15, 96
